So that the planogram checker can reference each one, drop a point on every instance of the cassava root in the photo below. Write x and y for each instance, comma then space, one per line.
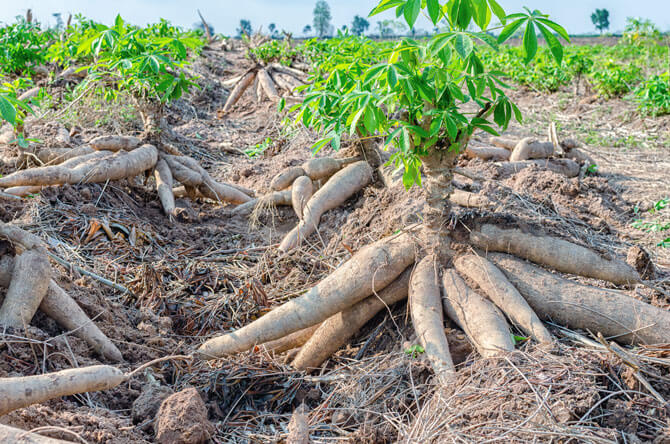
335, 331
612, 313
556, 253
503, 294
368, 271
425, 304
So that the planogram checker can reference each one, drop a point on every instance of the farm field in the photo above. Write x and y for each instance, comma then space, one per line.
457, 238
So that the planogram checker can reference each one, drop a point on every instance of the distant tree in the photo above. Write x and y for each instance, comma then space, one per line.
274, 32
601, 19
201, 27
307, 29
360, 25
384, 29
245, 28
322, 18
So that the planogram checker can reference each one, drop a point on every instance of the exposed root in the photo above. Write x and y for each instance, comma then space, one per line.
258, 205
566, 167
97, 167
56, 303
13, 435
241, 86
291, 341
484, 324
334, 332
470, 200
268, 85
54, 156
506, 297
556, 253
530, 148
487, 153
301, 191
286, 177
19, 392
187, 171
115, 143
609, 312
368, 271
164, 184
334, 193
425, 303
29, 283
315, 169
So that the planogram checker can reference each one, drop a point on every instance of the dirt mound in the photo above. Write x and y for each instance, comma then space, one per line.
182, 419
522, 397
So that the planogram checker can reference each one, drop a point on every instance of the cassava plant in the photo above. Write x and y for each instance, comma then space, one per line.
150, 65
427, 100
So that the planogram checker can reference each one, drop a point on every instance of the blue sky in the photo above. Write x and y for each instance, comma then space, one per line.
293, 15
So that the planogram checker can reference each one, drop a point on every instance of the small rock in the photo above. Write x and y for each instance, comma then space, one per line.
182, 419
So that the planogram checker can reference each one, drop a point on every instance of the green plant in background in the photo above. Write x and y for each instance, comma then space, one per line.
12, 110
613, 80
22, 47
414, 351
641, 32
259, 148
275, 51
148, 63
653, 96
654, 226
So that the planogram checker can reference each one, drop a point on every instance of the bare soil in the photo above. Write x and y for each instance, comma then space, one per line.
213, 271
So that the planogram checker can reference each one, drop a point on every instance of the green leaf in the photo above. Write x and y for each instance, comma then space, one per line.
497, 10
7, 111
369, 121
281, 105
434, 11
412, 9
556, 27
392, 76
385, 5
530, 41
554, 44
510, 29
463, 45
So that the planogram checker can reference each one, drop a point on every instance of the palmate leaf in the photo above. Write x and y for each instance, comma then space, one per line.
7, 111
530, 41
411, 11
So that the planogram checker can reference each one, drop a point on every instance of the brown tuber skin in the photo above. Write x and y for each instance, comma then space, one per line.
484, 324
578, 306
30, 280
60, 307
334, 332
425, 304
115, 143
97, 167
301, 191
19, 392
164, 184
502, 293
368, 271
530, 148
558, 254
334, 193
285, 178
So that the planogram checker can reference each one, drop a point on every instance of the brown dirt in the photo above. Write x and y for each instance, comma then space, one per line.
212, 272
182, 419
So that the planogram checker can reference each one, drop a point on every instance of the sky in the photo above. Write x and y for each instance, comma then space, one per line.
293, 15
